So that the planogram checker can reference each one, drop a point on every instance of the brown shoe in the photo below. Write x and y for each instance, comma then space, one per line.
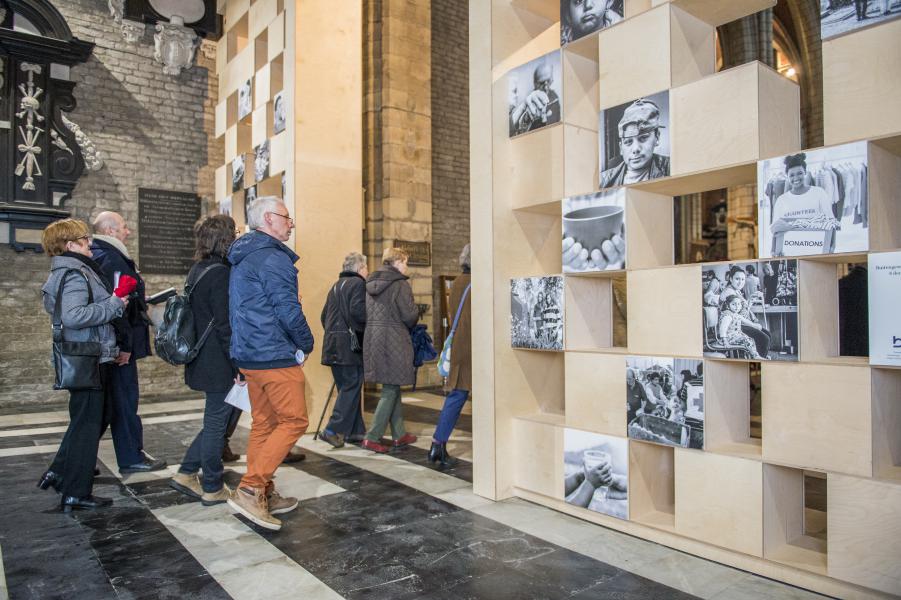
213, 498
294, 456
251, 502
279, 504
187, 483
229, 456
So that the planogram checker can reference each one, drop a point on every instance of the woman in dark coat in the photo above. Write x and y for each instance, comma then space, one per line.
387, 348
211, 371
459, 380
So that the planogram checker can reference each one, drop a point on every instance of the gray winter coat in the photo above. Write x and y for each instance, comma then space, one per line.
83, 322
390, 314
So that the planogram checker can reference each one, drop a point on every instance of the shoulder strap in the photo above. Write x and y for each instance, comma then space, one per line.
341, 308
190, 288
57, 307
460, 309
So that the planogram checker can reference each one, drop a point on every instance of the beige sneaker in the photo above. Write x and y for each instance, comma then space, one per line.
213, 498
187, 483
279, 504
251, 503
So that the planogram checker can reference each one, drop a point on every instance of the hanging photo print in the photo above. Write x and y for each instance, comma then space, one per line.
579, 18
238, 173
814, 202
838, 17
884, 281
665, 400
596, 472
280, 110
261, 161
594, 232
245, 99
750, 310
634, 141
536, 313
535, 94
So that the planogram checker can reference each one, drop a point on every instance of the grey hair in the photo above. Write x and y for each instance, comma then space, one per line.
256, 214
353, 262
465, 258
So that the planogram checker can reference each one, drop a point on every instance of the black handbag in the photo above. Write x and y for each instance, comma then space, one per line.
77, 364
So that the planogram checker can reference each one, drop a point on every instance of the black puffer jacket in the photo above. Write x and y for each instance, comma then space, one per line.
212, 370
347, 298
390, 314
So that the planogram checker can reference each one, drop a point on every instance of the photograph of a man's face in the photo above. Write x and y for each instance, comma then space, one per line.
238, 173
634, 141
280, 116
579, 18
535, 94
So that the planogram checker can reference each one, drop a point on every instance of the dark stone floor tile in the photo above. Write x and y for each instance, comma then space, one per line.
628, 586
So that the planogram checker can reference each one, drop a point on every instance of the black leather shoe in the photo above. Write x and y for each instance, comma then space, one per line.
50, 479
144, 466
96, 472
293, 457
70, 503
438, 454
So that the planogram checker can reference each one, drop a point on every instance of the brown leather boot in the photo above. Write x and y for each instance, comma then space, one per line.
252, 503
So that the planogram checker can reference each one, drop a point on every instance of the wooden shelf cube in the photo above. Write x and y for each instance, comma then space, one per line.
739, 115
664, 317
652, 485
223, 182
539, 450
589, 313
595, 392
727, 409
580, 84
887, 424
262, 124
276, 37
649, 230
818, 417
262, 13
719, 500
787, 535
238, 140
676, 48
717, 12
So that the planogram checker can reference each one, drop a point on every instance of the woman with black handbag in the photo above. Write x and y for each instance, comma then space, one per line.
82, 305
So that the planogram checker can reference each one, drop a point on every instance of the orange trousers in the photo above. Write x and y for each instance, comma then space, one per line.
279, 410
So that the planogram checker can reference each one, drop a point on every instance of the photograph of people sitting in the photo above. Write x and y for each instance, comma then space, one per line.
665, 400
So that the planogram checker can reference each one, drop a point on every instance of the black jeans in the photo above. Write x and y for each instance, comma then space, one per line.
761, 339
346, 417
205, 451
126, 426
77, 454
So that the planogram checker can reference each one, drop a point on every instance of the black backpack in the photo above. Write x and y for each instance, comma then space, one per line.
175, 341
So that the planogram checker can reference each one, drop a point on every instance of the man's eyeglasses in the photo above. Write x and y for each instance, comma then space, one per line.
290, 220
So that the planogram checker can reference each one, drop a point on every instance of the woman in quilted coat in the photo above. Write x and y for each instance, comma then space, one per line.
387, 349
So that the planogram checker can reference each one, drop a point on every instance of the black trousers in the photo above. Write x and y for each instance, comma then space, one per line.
860, 7
77, 454
346, 416
761, 339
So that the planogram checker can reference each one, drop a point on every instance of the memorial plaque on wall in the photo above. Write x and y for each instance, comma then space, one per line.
166, 231
420, 252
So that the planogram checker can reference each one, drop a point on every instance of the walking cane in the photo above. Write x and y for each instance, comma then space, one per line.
324, 408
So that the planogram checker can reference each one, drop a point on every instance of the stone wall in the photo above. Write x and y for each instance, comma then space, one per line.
153, 130
450, 143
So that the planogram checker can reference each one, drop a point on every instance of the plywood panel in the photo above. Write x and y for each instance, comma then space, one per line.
234, 10
223, 183
262, 125
864, 532
262, 13
596, 392
887, 424
818, 310
535, 171
523, 49
542, 8
221, 118
652, 484
664, 319
861, 73
885, 209
539, 448
278, 152
693, 52
818, 417
784, 539
649, 230
580, 90
727, 410
262, 89
780, 106
580, 161
231, 143
718, 12
276, 37
239, 70
719, 499
589, 313
636, 7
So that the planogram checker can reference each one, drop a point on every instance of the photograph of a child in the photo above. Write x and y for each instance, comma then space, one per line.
750, 310
535, 93
579, 18
245, 99
634, 141
536, 313
596, 472
594, 232
814, 202
665, 400
238, 173
842, 16
261, 161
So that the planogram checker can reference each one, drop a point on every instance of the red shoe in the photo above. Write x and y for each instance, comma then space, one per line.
374, 446
404, 440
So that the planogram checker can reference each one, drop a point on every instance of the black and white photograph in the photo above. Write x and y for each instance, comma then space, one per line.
225, 207
814, 202
751, 310
635, 141
250, 194
843, 16
280, 113
245, 99
536, 313
579, 18
665, 400
535, 94
238, 173
594, 232
261, 161
596, 472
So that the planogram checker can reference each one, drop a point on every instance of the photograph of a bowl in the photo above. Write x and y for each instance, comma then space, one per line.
592, 226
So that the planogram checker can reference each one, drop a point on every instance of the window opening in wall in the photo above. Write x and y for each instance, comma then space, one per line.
853, 314
756, 404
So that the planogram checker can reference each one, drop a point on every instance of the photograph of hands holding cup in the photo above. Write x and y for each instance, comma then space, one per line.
594, 232
596, 472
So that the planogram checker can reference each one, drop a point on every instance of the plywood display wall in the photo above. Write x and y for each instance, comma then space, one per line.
735, 498
300, 61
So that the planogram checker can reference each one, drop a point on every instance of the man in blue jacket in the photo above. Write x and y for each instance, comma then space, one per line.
133, 337
270, 340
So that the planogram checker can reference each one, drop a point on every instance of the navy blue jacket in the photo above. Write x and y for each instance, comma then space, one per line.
136, 338
267, 320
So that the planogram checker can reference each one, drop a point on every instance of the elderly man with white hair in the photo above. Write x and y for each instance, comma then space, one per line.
269, 343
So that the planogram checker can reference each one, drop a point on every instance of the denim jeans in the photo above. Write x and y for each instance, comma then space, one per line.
389, 410
205, 451
450, 412
346, 417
